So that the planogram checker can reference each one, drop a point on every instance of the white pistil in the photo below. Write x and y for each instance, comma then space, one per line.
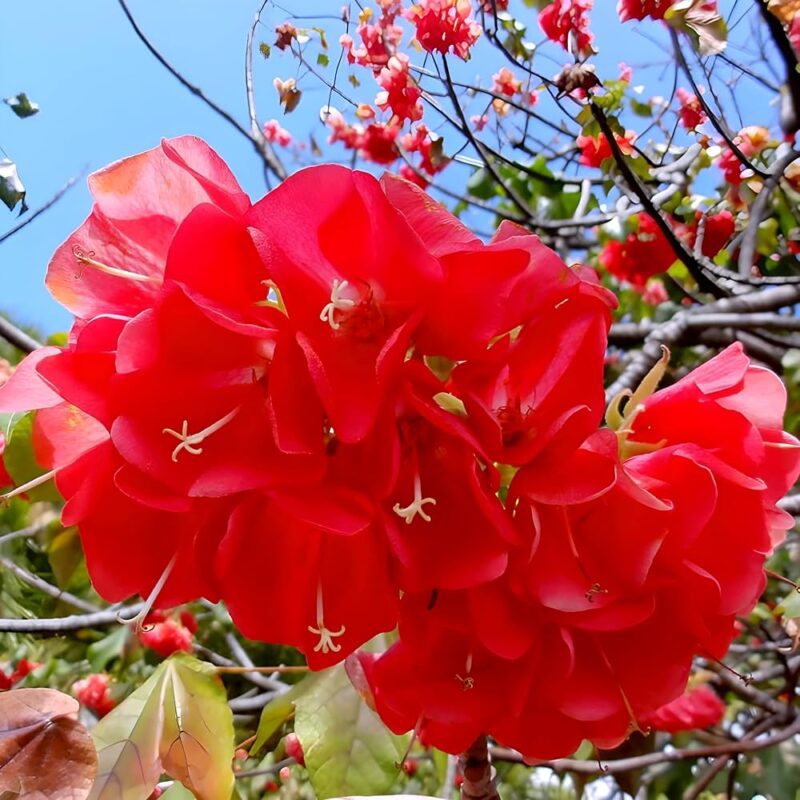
87, 260
137, 621
410, 511
189, 441
337, 303
325, 644
32, 484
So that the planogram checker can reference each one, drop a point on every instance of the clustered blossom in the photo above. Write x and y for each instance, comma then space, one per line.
750, 141
641, 9
563, 19
400, 94
504, 82
691, 113
595, 150
442, 26
274, 133
165, 635
699, 707
23, 668
94, 692
340, 412
379, 39
646, 252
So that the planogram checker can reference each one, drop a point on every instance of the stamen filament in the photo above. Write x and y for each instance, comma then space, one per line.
87, 260
409, 512
325, 644
187, 441
137, 621
32, 484
337, 303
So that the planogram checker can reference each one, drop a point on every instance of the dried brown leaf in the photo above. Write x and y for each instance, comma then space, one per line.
45, 753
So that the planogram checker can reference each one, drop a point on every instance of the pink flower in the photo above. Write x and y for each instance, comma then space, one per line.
504, 82
275, 134
564, 17
445, 25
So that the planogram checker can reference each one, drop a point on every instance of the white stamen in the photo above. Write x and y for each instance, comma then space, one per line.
187, 441
326, 636
410, 512
137, 621
468, 665
32, 484
86, 259
337, 303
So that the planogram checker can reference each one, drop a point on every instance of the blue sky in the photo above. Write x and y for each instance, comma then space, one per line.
103, 96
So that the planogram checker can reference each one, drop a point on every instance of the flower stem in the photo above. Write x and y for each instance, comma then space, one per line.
477, 773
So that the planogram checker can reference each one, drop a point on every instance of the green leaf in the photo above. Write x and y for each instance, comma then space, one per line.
264, 49
323, 60
12, 190
22, 106
107, 649
481, 184
790, 605
178, 722
277, 711
348, 750
66, 556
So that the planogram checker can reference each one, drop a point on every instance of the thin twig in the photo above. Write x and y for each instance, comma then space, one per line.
74, 622
16, 336
39, 211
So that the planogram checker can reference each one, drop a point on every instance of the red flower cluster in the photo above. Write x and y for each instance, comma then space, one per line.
165, 635
563, 18
594, 151
696, 708
632, 553
691, 113
379, 39
343, 389
646, 251
9, 679
94, 692
444, 25
641, 9
400, 93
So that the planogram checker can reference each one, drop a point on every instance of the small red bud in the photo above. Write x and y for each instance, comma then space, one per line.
294, 749
285, 774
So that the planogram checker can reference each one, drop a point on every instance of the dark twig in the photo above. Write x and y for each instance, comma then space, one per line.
39, 211
14, 335
197, 92
76, 622
264, 147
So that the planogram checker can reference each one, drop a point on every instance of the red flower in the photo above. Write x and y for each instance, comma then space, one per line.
504, 82
640, 9
94, 693
400, 92
691, 113
114, 263
444, 25
695, 708
640, 256
594, 151
718, 230
165, 636
5, 478
564, 17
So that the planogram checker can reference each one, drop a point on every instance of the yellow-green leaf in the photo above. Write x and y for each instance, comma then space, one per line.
178, 722
348, 750
277, 711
